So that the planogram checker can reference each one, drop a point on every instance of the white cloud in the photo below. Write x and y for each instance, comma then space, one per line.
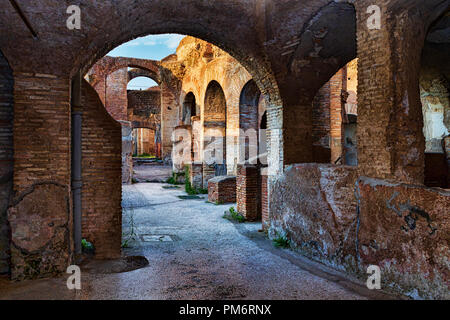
171, 41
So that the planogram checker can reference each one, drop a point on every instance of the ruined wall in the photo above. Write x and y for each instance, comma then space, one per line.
41, 213
101, 157
321, 125
6, 156
332, 216
171, 72
115, 99
144, 108
204, 63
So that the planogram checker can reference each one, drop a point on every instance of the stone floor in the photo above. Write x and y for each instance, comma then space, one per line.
194, 253
151, 172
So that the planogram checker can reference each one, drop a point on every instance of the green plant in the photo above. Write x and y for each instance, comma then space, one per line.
173, 179
132, 235
87, 246
233, 215
281, 241
188, 186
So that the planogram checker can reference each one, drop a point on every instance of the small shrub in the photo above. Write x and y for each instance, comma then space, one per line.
281, 242
174, 178
233, 215
87, 247
188, 186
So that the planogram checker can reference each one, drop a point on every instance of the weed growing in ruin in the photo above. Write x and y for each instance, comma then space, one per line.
281, 241
233, 215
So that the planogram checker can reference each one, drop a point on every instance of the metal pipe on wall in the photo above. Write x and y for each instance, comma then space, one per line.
76, 160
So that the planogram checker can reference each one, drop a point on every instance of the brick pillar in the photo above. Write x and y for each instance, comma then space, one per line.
336, 115
196, 175
264, 203
247, 191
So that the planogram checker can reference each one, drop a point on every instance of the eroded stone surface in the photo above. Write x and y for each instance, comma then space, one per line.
314, 206
405, 230
40, 235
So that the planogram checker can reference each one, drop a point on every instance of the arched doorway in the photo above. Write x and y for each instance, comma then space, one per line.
215, 132
189, 108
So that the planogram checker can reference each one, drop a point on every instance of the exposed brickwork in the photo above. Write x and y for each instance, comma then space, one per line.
144, 108
101, 157
265, 203
222, 189
248, 192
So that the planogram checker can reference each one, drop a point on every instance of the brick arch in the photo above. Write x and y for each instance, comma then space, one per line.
248, 121
107, 65
139, 72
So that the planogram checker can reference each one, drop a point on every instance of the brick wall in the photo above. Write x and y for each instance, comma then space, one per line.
101, 175
321, 125
42, 170
265, 203
116, 94
144, 108
222, 189
336, 130
248, 192
6, 156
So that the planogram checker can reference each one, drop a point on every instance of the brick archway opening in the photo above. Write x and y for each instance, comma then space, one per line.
189, 108
334, 114
434, 84
215, 133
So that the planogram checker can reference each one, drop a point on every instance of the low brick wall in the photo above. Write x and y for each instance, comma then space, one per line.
332, 216
248, 192
222, 189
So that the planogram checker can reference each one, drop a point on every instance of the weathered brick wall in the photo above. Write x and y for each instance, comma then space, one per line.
116, 94
222, 189
247, 189
6, 156
321, 125
144, 108
264, 203
42, 199
337, 84
101, 176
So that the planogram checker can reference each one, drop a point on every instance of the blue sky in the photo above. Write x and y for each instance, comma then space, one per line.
155, 47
